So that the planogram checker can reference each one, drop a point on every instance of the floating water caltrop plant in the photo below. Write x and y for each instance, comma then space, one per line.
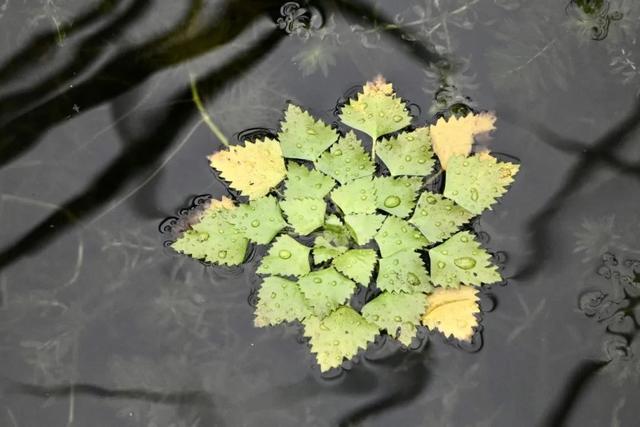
361, 221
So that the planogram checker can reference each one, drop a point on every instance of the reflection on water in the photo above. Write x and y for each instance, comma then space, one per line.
99, 137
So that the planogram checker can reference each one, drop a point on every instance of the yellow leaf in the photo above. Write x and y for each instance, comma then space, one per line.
252, 169
452, 311
455, 137
223, 203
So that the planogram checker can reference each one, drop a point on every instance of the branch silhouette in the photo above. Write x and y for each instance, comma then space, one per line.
125, 71
139, 154
47, 41
195, 397
601, 151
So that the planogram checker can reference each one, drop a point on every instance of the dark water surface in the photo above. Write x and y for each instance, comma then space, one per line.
100, 325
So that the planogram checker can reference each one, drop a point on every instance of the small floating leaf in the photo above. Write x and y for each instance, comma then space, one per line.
280, 300
461, 260
302, 182
304, 215
212, 238
363, 226
399, 314
253, 169
403, 272
455, 136
357, 196
408, 153
438, 218
303, 137
376, 111
357, 264
286, 257
260, 220
324, 250
346, 160
325, 290
338, 336
397, 195
476, 182
398, 235
453, 312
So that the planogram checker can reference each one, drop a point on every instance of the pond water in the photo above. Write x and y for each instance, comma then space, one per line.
101, 325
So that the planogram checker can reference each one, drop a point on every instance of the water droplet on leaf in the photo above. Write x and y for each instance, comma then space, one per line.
465, 263
392, 201
284, 254
412, 279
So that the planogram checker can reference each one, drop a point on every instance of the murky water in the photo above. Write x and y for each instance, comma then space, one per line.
101, 325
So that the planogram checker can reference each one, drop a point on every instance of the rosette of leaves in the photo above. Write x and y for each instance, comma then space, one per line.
368, 229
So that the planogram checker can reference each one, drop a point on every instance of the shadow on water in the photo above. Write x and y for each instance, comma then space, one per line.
388, 382
602, 151
87, 53
169, 398
131, 68
395, 381
617, 310
116, 77
577, 382
200, 403
47, 42
407, 377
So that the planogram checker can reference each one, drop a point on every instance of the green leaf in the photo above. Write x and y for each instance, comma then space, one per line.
476, 182
280, 300
260, 220
338, 336
325, 290
399, 314
357, 196
302, 182
438, 218
325, 249
397, 195
286, 257
376, 111
461, 260
253, 169
302, 137
403, 272
408, 153
346, 160
398, 235
363, 226
336, 232
304, 215
212, 238
357, 264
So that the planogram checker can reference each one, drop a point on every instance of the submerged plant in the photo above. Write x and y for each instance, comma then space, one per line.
367, 214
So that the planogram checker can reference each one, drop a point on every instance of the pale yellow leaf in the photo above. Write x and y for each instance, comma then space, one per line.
455, 136
223, 203
253, 169
452, 311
